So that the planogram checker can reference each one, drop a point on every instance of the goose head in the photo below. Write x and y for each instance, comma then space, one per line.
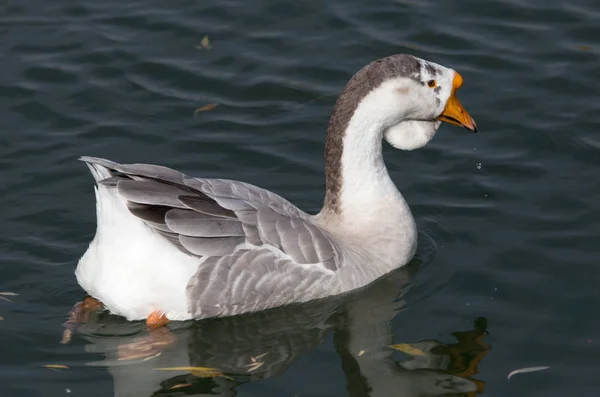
400, 98
404, 97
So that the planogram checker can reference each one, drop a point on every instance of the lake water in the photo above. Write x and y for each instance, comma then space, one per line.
506, 275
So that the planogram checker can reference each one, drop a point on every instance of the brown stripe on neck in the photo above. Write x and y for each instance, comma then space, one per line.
363, 82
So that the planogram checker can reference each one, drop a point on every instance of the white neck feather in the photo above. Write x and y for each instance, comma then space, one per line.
367, 192
367, 189
371, 209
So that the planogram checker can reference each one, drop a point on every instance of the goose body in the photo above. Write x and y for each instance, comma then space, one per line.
192, 248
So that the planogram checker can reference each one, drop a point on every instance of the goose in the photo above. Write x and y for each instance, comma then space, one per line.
173, 247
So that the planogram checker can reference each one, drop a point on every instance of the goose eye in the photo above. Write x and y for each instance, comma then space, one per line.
431, 83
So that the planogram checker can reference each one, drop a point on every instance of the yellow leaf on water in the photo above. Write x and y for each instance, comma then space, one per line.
67, 333
205, 108
200, 372
408, 349
206, 372
205, 43
55, 366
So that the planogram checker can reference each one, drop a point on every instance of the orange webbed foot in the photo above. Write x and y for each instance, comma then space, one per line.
91, 304
156, 319
80, 313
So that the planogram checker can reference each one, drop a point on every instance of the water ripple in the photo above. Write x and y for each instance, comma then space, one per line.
508, 218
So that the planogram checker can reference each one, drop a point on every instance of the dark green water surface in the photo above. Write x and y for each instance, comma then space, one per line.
507, 271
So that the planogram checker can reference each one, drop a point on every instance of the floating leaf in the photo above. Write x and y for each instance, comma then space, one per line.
204, 44
360, 353
525, 370
205, 108
55, 366
180, 386
66, 338
408, 349
200, 372
8, 293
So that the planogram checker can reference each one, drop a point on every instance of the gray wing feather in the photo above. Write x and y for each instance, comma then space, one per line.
249, 217
320, 243
253, 280
234, 204
252, 234
211, 246
150, 192
213, 217
153, 214
196, 224
150, 171
206, 206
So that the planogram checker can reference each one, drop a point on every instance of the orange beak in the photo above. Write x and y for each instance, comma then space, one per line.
454, 113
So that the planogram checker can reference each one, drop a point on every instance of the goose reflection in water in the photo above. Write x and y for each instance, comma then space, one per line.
256, 347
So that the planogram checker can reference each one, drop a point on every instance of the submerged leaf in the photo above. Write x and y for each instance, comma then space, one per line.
205, 108
408, 349
254, 359
254, 366
55, 366
525, 370
255, 363
5, 299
